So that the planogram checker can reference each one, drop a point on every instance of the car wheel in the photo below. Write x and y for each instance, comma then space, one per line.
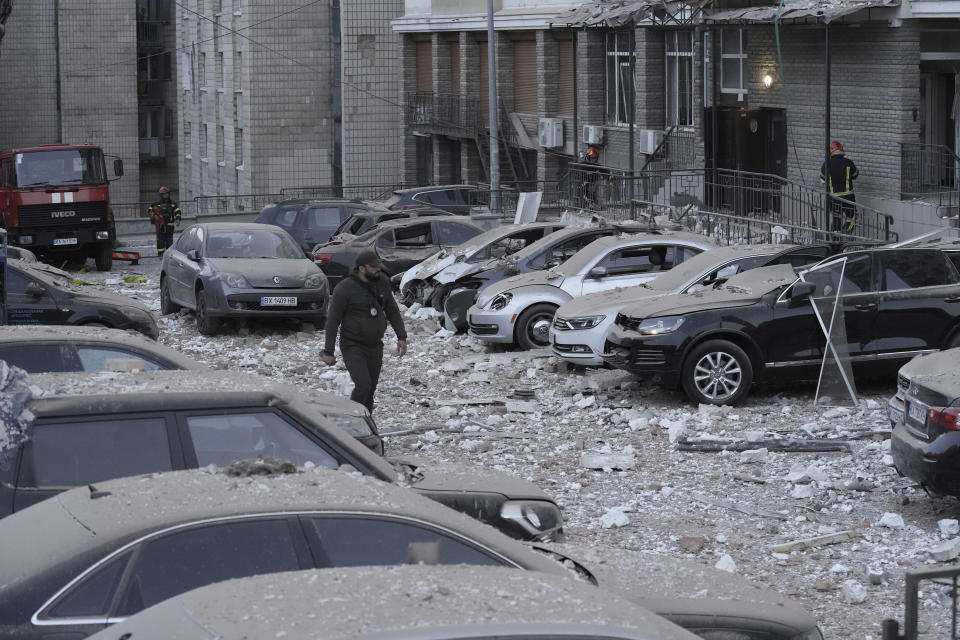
717, 372
206, 325
411, 292
104, 256
167, 306
954, 341
533, 326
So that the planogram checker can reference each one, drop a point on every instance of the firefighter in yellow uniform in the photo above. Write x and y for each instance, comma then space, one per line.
840, 172
165, 215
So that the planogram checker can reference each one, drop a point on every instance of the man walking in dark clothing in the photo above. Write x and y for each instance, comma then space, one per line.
165, 215
840, 173
360, 308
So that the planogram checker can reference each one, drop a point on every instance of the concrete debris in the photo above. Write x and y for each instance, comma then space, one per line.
872, 574
946, 550
853, 592
585, 402
608, 461
800, 474
713, 501
676, 430
692, 544
802, 491
447, 412
753, 456
615, 517
726, 563
891, 521
521, 406
753, 436
948, 527
836, 412
816, 541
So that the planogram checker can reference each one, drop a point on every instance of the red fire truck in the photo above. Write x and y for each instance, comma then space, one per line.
55, 201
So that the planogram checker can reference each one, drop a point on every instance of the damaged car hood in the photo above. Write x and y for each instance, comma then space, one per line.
549, 277
600, 301
741, 290
430, 478
937, 372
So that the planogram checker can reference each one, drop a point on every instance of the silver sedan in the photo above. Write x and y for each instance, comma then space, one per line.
230, 270
519, 310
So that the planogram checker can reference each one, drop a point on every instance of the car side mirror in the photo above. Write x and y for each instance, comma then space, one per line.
34, 290
801, 292
193, 255
598, 272
118, 167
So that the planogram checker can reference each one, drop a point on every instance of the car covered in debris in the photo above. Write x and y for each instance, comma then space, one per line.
894, 304
550, 251
459, 601
361, 222
51, 349
224, 270
579, 330
158, 536
430, 281
41, 294
453, 198
312, 221
925, 414
520, 309
90, 428
400, 244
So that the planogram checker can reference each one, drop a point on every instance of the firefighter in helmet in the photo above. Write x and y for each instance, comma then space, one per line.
588, 185
165, 215
839, 172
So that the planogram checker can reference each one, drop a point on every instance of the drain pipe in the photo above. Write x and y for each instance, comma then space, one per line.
56, 49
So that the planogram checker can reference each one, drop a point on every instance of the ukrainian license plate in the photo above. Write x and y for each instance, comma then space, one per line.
895, 415
57, 242
918, 412
278, 301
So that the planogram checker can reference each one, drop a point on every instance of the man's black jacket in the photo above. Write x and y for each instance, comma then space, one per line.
350, 312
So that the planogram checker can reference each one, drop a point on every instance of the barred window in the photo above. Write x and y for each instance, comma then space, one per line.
679, 89
619, 84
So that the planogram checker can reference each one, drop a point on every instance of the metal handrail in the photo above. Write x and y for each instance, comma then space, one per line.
929, 170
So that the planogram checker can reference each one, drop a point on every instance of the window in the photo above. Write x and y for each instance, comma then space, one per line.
386, 240
801, 257
323, 218
92, 596
912, 269
202, 68
219, 63
452, 234
637, 260
733, 58
562, 252
856, 277
72, 453
619, 84
358, 541
104, 359
203, 140
679, 89
238, 146
286, 218
418, 235
237, 70
223, 439
188, 241
35, 358
185, 560
220, 136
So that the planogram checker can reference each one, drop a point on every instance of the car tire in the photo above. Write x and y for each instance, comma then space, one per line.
533, 326
104, 256
954, 341
206, 325
167, 306
717, 372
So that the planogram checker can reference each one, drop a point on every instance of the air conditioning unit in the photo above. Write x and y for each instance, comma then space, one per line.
550, 132
648, 140
592, 134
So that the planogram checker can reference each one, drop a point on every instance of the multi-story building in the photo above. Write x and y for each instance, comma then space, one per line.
731, 86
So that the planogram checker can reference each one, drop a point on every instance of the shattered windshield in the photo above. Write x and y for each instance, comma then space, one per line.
60, 167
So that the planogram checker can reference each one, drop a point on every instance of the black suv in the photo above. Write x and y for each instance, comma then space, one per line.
311, 222
455, 198
82, 431
894, 304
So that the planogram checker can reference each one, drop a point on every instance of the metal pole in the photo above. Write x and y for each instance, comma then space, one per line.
3, 278
495, 203
828, 218
632, 117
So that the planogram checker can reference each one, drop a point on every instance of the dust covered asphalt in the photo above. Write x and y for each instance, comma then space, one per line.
451, 399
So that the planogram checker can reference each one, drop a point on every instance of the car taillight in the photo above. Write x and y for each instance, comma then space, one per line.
945, 417
398, 207
322, 258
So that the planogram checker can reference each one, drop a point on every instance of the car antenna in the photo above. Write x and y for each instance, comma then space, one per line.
96, 493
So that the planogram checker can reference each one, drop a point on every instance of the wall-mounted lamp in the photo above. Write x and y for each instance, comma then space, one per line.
767, 80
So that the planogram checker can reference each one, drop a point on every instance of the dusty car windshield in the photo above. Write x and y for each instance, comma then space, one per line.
251, 244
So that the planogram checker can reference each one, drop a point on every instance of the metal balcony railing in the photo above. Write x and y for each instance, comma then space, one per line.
443, 111
153, 148
149, 34
930, 171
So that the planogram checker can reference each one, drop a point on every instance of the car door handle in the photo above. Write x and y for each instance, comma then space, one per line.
868, 306
952, 299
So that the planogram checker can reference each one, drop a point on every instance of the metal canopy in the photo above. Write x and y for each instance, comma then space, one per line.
825, 10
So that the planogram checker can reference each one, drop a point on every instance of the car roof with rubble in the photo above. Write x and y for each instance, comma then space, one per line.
100, 335
406, 601
82, 519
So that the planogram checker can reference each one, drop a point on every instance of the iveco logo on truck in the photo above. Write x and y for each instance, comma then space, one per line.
38, 181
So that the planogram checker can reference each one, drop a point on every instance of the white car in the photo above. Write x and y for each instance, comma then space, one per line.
429, 281
580, 327
519, 310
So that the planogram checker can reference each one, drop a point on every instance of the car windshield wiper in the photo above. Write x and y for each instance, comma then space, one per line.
34, 185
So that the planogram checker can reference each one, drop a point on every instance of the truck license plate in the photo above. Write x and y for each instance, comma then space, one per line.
918, 411
62, 241
278, 301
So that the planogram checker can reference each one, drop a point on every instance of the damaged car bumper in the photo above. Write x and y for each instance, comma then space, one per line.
261, 302
657, 357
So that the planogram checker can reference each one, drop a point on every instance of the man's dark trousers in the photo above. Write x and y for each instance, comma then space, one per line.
364, 363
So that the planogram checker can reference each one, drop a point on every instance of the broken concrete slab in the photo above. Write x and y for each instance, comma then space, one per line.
816, 541
692, 544
522, 406
948, 527
946, 550
753, 456
773, 444
853, 592
891, 520
615, 517
621, 461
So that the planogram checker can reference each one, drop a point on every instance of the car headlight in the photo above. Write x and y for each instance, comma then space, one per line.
659, 326
235, 281
500, 301
583, 322
540, 519
315, 281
